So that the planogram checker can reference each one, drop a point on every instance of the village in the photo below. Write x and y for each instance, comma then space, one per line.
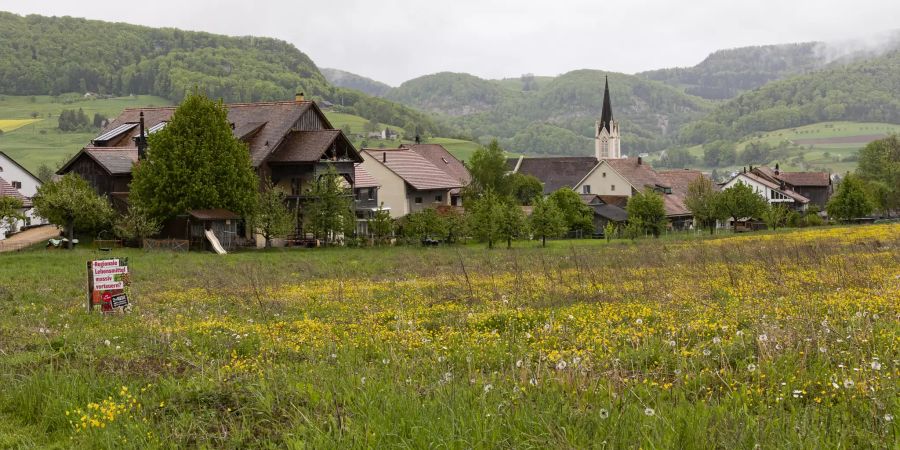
408, 193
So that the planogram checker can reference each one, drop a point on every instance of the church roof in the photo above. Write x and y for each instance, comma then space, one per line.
606, 117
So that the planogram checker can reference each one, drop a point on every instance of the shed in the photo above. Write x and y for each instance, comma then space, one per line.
225, 225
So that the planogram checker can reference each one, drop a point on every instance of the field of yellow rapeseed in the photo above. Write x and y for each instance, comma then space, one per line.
779, 340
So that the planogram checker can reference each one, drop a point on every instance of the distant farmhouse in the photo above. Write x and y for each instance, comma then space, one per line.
291, 142
608, 179
18, 182
795, 190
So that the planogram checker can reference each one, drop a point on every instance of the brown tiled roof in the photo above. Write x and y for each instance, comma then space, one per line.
556, 172
678, 181
117, 161
7, 190
417, 171
639, 175
437, 155
263, 125
363, 179
618, 200
213, 214
819, 179
611, 212
305, 146
794, 195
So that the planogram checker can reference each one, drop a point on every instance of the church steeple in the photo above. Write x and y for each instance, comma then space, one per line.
606, 117
606, 140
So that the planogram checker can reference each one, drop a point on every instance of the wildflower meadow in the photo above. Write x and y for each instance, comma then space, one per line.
781, 340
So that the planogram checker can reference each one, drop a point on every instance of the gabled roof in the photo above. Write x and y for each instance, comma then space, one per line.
805, 179
7, 190
678, 181
437, 155
556, 172
610, 212
638, 173
774, 186
115, 160
417, 171
310, 146
363, 179
21, 167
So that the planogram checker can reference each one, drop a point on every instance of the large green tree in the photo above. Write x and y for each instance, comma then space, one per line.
577, 215
330, 213
485, 216
879, 166
546, 220
72, 203
701, 199
740, 201
851, 200
524, 188
381, 226
488, 168
195, 162
647, 211
423, 224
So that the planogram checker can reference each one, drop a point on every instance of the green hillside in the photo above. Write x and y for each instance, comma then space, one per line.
344, 79
864, 91
41, 142
826, 146
554, 115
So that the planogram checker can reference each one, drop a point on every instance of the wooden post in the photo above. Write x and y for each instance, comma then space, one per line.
90, 288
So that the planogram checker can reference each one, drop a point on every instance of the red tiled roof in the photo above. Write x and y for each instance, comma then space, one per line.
639, 175
7, 190
363, 178
437, 155
305, 146
414, 169
820, 179
678, 181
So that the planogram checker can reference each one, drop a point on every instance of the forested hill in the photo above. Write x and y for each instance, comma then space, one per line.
864, 91
54, 55
341, 78
554, 115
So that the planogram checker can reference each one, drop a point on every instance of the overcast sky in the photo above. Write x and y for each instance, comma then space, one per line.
395, 40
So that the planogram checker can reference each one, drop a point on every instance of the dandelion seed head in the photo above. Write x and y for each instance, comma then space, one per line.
649, 412
604, 413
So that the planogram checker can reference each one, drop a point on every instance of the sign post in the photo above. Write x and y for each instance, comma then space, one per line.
108, 281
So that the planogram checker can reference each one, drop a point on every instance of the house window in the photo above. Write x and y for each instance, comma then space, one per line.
439, 198
358, 195
371, 193
586, 189
612, 187
17, 184
418, 200
604, 174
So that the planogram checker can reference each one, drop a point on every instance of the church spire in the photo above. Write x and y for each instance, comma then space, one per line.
606, 117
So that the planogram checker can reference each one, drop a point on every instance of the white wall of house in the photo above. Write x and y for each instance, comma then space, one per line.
392, 192
770, 195
27, 184
603, 180
419, 200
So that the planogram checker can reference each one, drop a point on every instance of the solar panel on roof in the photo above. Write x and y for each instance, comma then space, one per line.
115, 132
157, 127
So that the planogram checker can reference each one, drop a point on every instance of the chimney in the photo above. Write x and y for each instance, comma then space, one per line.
777, 170
383, 156
299, 98
141, 140
640, 160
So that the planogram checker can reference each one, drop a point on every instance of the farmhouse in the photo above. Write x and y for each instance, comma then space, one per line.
291, 142
773, 192
815, 186
17, 182
415, 177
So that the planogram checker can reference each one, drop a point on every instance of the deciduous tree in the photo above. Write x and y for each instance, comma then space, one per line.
512, 222
850, 201
271, 216
740, 201
546, 220
577, 215
331, 211
701, 199
72, 203
647, 211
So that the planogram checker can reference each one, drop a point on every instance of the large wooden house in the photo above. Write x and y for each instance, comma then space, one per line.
290, 142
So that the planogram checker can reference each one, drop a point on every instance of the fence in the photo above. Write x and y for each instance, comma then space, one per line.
14, 246
173, 245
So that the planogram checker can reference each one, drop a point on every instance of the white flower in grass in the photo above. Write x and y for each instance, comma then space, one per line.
823, 350
519, 363
533, 382
362, 380
107, 342
778, 347
333, 356
848, 383
875, 365
576, 360
797, 393
448, 376
706, 352
671, 343
649, 412
763, 338
740, 332
717, 340
751, 367
561, 365
639, 321
604, 413
488, 387
888, 417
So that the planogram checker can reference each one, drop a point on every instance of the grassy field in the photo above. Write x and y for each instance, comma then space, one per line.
40, 141
817, 155
783, 340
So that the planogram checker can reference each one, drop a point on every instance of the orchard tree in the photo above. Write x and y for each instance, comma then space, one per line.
195, 162
740, 201
524, 188
546, 220
701, 199
423, 224
331, 211
577, 215
851, 200
72, 203
271, 217
10, 211
648, 212
381, 226
136, 225
512, 222
485, 216
774, 215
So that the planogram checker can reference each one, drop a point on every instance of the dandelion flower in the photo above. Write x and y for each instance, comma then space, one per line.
888, 417
639, 321
605, 413
519, 363
717, 340
107, 342
706, 352
848, 383
561, 365
763, 338
876, 365
487, 388
671, 343
751, 367
649, 412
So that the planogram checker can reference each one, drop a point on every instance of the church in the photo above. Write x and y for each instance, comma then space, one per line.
608, 179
